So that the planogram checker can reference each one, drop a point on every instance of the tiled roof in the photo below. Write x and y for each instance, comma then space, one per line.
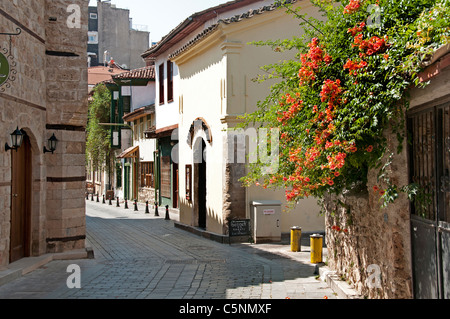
145, 73
192, 23
197, 38
98, 74
237, 18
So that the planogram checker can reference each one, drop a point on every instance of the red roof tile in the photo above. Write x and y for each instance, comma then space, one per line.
145, 73
99, 74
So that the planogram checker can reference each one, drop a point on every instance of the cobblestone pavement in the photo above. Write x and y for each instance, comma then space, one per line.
139, 256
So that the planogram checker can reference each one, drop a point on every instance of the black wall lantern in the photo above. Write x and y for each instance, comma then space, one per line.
16, 140
51, 144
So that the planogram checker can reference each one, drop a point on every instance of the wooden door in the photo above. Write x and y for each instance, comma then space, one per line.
175, 185
201, 188
135, 181
20, 201
126, 185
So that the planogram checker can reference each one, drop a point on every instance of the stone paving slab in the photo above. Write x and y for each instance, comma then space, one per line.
143, 256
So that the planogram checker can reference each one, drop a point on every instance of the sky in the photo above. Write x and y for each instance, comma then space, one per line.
161, 16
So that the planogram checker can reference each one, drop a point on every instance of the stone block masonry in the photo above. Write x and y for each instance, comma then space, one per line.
66, 118
47, 96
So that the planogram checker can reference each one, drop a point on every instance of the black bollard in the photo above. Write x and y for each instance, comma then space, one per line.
167, 213
126, 204
156, 209
92, 197
146, 208
117, 205
87, 196
103, 202
135, 205
98, 201
110, 202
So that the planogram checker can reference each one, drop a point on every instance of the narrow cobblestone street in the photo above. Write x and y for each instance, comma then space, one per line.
140, 256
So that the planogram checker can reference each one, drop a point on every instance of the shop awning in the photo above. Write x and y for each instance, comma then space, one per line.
129, 152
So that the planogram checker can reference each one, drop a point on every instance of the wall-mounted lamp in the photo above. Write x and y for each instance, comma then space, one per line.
51, 143
16, 140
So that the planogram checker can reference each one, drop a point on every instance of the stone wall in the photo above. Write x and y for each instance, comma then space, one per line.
147, 194
67, 104
372, 240
46, 95
23, 108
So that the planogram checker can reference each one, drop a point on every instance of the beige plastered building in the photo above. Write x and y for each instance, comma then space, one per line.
215, 70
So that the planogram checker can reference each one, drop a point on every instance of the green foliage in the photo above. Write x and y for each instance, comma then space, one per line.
347, 86
97, 136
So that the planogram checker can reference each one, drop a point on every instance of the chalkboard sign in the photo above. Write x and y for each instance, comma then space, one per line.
239, 227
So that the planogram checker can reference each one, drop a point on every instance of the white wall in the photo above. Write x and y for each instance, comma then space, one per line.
142, 95
166, 112
217, 83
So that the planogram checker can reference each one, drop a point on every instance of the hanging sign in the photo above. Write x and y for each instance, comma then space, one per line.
7, 63
4, 69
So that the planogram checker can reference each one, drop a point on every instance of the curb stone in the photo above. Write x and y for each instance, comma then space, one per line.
340, 287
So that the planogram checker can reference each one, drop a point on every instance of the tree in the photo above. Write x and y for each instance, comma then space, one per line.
97, 136
347, 86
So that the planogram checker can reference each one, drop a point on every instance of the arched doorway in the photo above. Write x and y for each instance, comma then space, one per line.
200, 182
21, 178
199, 134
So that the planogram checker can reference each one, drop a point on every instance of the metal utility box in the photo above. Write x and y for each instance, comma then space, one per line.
266, 220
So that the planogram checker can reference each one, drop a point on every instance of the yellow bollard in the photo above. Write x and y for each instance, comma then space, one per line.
296, 235
316, 248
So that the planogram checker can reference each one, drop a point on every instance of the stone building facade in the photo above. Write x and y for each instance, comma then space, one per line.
42, 208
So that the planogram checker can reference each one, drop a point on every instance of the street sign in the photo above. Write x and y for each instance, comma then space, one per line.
239, 227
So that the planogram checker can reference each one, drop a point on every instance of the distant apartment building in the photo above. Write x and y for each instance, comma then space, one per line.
111, 36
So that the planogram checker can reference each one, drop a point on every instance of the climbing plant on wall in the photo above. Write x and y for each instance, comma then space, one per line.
97, 136
347, 86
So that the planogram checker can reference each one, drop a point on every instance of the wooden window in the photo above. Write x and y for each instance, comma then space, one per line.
165, 176
147, 175
161, 84
126, 100
188, 182
169, 81
141, 132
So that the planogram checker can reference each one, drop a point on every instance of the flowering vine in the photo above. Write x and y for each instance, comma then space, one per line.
349, 87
